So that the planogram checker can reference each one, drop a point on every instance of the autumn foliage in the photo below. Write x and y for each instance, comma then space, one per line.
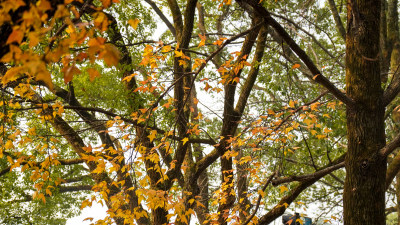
204, 123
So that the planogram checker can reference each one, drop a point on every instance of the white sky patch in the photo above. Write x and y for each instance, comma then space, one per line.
97, 212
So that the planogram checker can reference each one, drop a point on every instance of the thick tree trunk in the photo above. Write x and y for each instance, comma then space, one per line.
364, 193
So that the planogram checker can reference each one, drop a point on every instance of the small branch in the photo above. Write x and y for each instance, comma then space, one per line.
307, 177
259, 198
336, 17
62, 161
64, 189
312, 37
390, 147
317, 75
308, 148
162, 16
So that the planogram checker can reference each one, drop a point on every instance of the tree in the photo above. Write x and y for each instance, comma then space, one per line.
232, 115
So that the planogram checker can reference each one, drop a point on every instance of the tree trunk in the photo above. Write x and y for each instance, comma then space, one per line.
364, 191
398, 197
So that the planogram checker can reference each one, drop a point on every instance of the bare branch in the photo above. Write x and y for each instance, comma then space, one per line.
319, 173
317, 75
162, 16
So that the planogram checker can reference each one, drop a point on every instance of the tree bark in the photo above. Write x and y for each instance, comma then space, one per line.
364, 190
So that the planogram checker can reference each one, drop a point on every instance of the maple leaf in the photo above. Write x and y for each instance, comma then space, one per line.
129, 78
111, 55
152, 135
185, 140
179, 54
283, 188
69, 73
295, 66
16, 36
33, 39
45, 76
203, 40
106, 3
166, 48
134, 23
93, 73
291, 104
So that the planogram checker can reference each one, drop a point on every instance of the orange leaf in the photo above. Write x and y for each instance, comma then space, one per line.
111, 55
93, 73
295, 66
33, 39
70, 72
106, 3
203, 40
15, 36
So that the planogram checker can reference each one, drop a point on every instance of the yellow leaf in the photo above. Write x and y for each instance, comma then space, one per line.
11, 75
295, 66
283, 188
129, 78
185, 140
326, 115
152, 135
166, 48
134, 23
260, 192
299, 221
9, 144
179, 54
291, 104
32, 131
45, 76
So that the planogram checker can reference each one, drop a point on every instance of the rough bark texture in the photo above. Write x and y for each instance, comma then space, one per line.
398, 197
365, 119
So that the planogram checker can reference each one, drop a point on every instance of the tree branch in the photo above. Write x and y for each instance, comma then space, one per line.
317, 75
162, 16
64, 189
319, 173
259, 198
338, 20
